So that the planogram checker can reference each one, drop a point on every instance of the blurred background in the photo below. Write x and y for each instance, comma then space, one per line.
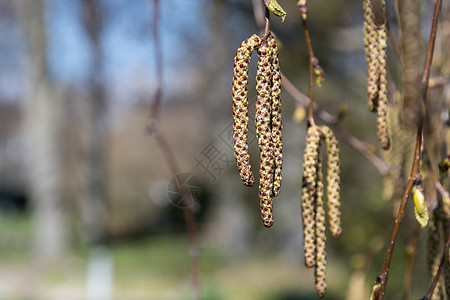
89, 207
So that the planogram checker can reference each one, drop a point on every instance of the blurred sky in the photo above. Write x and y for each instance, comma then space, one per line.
127, 44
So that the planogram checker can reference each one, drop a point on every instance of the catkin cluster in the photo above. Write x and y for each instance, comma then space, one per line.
267, 119
313, 212
375, 43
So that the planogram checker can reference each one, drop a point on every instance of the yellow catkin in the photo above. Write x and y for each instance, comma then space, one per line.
375, 41
371, 50
277, 125
264, 132
333, 181
240, 107
382, 127
310, 161
321, 260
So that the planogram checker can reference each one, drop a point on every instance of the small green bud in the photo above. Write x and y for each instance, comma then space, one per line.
420, 206
277, 10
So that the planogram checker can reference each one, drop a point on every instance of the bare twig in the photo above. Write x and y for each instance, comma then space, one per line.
266, 25
415, 170
397, 50
258, 10
411, 250
158, 63
436, 277
415, 175
430, 50
312, 59
357, 144
166, 149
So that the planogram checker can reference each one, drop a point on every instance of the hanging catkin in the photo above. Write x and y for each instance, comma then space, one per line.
333, 181
240, 107
375, 42
310, 161
321, 252
276, 116
264, 131
313, 212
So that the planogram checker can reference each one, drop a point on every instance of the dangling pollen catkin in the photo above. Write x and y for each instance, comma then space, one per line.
264, 131
382, 127
310, 161
240, 107
321, 252
371, 50
277, 125
333, 181
375, 42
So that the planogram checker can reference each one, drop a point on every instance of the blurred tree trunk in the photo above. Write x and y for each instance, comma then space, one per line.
42, 122
94, 131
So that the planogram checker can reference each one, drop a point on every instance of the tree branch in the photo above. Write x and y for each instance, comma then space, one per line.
415, 170
436, 277
166, 149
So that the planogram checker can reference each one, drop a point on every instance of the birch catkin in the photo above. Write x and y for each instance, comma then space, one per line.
333, 181
313, 213
310, 161
382, 109
264, 131
371, 50
276, 116
240, 107
267, 119
321, 252
375, 41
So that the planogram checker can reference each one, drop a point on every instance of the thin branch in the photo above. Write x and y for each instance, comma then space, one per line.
382, 277
411, 251
415, 170
431, 43
258, 10
312, 58
154, 114
397, 50
436, 277
266, 25
166, 149
357, 144
362, 148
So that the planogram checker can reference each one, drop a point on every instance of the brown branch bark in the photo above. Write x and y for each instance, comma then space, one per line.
382, 277
415, 170
411, 250
312, 58
166, 149
436, 277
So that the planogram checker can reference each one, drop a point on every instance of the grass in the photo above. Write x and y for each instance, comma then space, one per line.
156, 267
